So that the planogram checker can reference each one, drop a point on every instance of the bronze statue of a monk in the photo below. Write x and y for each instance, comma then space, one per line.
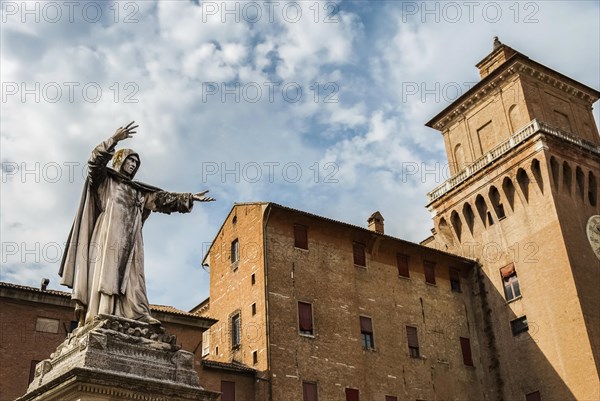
104, 259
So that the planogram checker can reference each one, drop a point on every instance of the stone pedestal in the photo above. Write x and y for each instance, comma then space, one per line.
113, 358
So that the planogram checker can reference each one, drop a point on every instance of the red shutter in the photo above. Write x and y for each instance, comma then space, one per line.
366, 325
309, 391
508, 270
535, 396
411, 336
429, 268
300, 236
228, 391
305, 316
402, 265
359, 254
465, 345
352, 394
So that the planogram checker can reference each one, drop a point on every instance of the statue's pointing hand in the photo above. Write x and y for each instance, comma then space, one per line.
201, 198
124, 133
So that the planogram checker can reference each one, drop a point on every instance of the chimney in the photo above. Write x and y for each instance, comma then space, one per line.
376, 222
44, 284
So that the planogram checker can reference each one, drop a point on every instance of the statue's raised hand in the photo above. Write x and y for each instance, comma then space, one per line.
201, 198
124, 133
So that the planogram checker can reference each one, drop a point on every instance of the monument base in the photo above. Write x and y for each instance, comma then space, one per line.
114, 358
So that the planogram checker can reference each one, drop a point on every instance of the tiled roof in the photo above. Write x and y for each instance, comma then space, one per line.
156, 308
233, 366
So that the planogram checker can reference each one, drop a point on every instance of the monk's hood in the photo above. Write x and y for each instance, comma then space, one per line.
120, 156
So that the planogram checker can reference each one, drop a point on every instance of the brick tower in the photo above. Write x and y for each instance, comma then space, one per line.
524, 153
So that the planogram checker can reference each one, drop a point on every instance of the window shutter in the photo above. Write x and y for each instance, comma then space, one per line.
351, 394
402, 265
359, 254
366, 325
309, 391
305, 316
300, 236
411, 336
535, 396
429, 268
465, 345
228, 391
508, 270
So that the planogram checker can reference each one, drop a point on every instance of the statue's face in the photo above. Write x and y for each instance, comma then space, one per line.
130, 165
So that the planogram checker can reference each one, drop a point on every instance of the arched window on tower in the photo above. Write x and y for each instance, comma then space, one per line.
523, 181
509, 191
445, 232
555, 172
537, 174
567, 178
456, 224
592, 189
580, 183
484, 213
469, 216
497, 202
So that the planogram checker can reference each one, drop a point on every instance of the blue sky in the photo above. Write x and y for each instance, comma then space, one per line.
315, 105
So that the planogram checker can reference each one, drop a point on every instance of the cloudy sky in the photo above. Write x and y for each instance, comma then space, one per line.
315, 105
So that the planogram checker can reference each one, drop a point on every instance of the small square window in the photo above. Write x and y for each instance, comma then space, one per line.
300, 236
309, 392
358, 251
519, 325
535, 396
391, 398
366, 333
429, 268
352, 394
455, 280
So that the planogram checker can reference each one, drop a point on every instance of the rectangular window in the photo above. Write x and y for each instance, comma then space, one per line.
366, 333
255, 357
235, 330
46, 325
206, 343
235, 250
455, 279
300, 236
227, 391
402, 260
253, 278
305, 318
391, 398
519, 325
429, 268
352, 394
309, 392
253, 309
413, 341
358, 251
465, 346
535, 396
510, 282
